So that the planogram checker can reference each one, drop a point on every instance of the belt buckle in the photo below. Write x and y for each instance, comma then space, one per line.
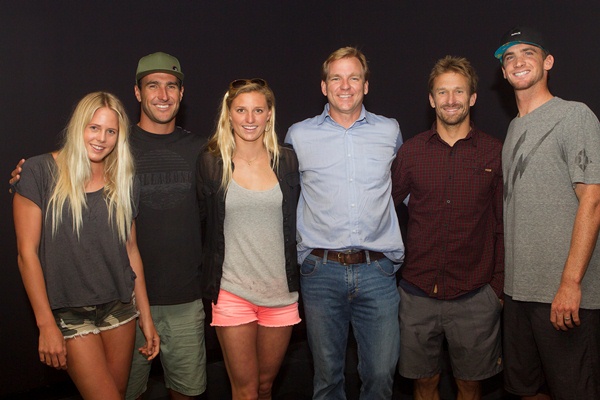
342, 256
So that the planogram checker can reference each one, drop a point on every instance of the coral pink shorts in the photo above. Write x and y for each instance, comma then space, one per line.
232, 310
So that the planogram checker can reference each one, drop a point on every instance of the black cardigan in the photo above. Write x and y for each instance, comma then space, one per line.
211, 197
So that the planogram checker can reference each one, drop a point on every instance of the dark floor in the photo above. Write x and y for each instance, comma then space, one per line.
293, 383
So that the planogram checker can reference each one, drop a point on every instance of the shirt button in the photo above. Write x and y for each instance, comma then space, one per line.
448, 201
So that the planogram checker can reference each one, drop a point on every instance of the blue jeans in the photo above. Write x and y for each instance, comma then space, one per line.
364, 295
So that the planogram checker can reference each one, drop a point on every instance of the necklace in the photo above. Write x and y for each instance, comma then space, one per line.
249, 162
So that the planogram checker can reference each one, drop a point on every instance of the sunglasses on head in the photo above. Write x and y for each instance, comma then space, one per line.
238, 83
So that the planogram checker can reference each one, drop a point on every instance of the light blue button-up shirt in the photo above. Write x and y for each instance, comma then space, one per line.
345, 202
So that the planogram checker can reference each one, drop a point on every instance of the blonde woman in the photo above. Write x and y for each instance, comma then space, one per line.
248, 188
77, 252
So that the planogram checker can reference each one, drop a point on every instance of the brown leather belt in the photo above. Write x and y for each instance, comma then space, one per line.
345, 258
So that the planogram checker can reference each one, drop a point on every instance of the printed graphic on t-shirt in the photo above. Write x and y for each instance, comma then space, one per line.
165, 179
521, 164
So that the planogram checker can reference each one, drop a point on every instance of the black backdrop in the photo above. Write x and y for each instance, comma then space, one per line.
54, 52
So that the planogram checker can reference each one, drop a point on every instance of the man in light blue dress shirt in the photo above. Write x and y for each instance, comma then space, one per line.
349, 241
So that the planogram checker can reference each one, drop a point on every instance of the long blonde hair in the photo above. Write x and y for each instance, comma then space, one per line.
74, 168
222, 142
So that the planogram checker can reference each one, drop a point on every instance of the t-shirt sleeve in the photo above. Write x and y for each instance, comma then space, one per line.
33, 180
583, 146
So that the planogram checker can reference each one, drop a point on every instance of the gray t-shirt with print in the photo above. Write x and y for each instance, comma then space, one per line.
545, 154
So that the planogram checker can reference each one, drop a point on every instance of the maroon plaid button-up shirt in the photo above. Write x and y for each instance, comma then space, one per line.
454, 241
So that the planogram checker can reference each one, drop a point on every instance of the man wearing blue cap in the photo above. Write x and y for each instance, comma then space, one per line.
551, 168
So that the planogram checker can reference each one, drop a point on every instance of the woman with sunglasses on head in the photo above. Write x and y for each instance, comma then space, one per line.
77, 252
248, 188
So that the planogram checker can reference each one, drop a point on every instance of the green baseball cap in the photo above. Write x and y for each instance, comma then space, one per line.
158, 62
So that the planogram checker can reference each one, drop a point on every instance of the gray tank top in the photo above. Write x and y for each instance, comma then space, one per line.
254, 265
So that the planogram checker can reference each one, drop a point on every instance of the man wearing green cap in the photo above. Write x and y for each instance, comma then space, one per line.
551, 168
168, 230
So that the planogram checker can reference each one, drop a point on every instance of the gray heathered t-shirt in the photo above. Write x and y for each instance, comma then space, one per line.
545, 153
254, 265
90, 270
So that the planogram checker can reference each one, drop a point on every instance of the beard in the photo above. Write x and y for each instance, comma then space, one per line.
455, 118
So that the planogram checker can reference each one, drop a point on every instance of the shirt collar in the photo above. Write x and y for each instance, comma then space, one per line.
364, 115
470, 138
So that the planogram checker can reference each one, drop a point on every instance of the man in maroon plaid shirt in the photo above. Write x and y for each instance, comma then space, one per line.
453, 275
